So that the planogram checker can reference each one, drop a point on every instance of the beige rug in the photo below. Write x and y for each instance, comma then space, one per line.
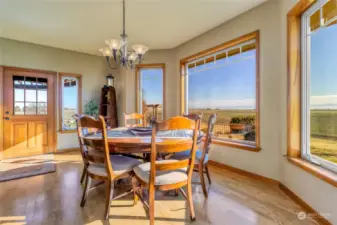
11, 169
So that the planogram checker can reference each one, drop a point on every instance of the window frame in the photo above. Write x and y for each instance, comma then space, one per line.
60, 94
305, 86
227, 45
150, 66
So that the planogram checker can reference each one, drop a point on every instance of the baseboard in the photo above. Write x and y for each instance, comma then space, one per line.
58, 151
244, 172
307, 208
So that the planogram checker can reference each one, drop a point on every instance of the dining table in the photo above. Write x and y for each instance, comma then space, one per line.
125, 140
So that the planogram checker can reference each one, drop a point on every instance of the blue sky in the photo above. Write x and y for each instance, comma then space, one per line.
152, 85
323, 82
230, 86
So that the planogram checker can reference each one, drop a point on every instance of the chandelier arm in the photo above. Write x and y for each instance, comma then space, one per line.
108, 59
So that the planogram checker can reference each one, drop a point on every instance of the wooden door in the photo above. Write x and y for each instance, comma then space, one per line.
28, 113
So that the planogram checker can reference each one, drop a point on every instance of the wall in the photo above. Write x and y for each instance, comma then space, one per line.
92, 68
264, 18
317, 193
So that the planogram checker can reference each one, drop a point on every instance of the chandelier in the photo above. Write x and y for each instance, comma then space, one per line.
117, 53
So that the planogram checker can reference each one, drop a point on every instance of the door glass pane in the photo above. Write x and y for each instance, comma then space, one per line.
30, 108
30, 95
151, 92
18, 108
42, 108
18, 95
42, 95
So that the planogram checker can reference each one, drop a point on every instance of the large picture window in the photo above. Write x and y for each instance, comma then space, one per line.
319, 84
70, 101
224, 80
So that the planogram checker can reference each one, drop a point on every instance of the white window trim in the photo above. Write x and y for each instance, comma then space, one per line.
305, 95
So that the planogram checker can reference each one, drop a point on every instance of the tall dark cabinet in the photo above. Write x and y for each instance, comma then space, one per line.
108, 106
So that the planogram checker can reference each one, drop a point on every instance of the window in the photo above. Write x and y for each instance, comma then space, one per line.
30, 95
70, 100
150, 90
319, 84
224, 80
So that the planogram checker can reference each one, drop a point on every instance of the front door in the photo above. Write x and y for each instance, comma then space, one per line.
28, 113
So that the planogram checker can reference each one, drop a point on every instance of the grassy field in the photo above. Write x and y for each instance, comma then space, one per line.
323, 128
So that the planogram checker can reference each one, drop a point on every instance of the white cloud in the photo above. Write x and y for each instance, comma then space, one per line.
223, 104
323, 101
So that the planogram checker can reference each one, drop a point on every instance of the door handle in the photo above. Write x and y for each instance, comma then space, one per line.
7, 118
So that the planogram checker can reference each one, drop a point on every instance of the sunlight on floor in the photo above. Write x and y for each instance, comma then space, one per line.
13, 220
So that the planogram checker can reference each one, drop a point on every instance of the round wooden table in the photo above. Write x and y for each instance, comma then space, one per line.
122, 140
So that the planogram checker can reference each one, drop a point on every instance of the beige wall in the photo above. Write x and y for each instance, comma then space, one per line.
92, 68
317, 193
265, 18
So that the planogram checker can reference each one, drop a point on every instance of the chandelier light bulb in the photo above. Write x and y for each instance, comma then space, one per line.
140, 49
114, 44
106, 51
132, 57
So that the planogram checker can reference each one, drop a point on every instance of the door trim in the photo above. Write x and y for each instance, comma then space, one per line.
2, 74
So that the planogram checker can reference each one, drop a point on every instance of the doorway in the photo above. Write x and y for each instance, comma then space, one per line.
28, 112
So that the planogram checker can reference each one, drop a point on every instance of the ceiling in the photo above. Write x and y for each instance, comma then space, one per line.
83, 25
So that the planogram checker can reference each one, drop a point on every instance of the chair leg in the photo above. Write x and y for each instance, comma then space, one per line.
207, 173
190, 200
109, 195
84, 173
86, 190
202, 180
151, 203
135, 189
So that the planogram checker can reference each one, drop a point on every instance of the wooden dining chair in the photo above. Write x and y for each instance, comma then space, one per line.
201, 160
110, 169
194, 116
136, 117
168, 174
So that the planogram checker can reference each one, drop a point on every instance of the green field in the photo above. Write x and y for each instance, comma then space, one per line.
323, 125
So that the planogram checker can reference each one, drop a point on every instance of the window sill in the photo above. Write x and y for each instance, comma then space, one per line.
242, 146
67, 131
317, 171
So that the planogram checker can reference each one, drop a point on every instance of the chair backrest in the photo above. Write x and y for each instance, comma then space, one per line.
99, 143
80, 133
194, 116
208, 139
136, 117
174, 123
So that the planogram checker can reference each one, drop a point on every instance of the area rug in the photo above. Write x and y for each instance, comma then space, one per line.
11, 169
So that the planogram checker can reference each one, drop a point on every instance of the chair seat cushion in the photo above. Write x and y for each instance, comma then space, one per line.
120, 164
186, 154
162, 177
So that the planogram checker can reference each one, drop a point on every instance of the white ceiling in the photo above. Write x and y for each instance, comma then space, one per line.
83, 25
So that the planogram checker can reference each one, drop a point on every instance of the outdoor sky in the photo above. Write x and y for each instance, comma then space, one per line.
152, 85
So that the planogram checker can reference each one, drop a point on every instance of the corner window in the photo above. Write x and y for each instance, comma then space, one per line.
224, 80
319, 84
150, 90
70, 100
